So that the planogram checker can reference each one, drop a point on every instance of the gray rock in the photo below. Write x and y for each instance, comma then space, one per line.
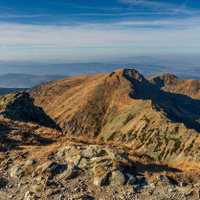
163, 180
93, 151
67, 150
11, 196
67, 174
88, 175
117, 154
151, 183
34, 174
17, 170
131, 179
47, 167
84, 163
75, 159
39, 179
15, 128
100, 180
30, 162
117, 178
99, 162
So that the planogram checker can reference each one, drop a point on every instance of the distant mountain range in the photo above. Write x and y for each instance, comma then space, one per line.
11, 90
148, 66
24, 81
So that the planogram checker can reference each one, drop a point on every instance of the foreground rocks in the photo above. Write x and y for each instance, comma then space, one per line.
86, 172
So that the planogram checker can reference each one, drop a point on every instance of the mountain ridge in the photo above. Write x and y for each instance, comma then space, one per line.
125, 107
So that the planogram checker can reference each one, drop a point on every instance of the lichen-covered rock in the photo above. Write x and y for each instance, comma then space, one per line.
17, 170
20, 107
88, 175
69, 173
87, 163
47, 167
117, 154
93, 151
99, 162
117, 178
67, 151
74, 159
100, 180
84, 163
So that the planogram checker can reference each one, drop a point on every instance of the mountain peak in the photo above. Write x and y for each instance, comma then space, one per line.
129, 74
133, 74
163, 80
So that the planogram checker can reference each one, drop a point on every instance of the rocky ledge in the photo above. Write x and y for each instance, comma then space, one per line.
86, 172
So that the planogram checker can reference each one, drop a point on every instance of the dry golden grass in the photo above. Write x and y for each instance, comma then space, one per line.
28, 170
39, 188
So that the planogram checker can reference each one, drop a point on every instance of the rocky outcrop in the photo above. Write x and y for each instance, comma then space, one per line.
83, 171
20, 107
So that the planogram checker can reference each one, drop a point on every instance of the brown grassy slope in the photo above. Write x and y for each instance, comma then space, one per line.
170, 83
123, 106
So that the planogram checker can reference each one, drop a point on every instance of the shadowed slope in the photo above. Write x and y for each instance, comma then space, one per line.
171, 83
20, 107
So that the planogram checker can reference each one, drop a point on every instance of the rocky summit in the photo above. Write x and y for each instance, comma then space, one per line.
105, 136
74, 168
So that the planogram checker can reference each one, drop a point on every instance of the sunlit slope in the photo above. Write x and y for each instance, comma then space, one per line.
123, 106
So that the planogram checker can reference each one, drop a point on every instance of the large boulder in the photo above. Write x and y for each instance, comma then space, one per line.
101, 180
117, 178
93, 151
67, 151
117, 154
69, 173
47, 167
74, 159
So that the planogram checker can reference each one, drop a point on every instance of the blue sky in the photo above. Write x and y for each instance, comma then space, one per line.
87, 30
